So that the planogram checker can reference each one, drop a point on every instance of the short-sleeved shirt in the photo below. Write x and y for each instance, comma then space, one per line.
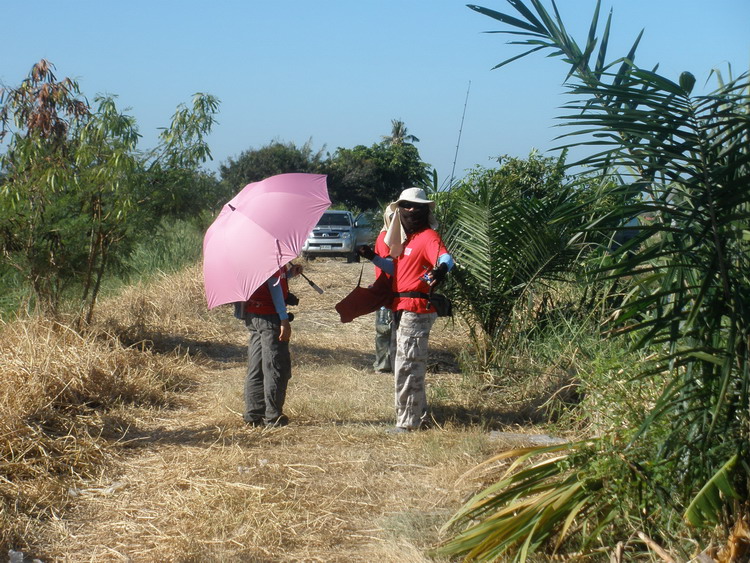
420, 255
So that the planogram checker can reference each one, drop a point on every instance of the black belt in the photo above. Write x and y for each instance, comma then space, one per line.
415, 294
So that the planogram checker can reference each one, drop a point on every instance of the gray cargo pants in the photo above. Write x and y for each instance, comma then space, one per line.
383, 323
412, 331
269, 368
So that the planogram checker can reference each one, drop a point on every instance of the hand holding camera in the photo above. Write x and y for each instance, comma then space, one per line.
366, 252
437, 275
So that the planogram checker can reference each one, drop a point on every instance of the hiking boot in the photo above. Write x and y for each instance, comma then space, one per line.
278, 422
253, 421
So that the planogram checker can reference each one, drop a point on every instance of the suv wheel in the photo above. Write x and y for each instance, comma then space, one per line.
353, 257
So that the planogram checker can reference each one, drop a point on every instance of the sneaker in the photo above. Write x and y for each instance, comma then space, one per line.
278, 422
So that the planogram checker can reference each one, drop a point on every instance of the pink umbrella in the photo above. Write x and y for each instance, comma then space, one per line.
262, 228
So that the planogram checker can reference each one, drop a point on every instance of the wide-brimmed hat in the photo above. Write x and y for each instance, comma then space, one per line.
395, 235
415, 195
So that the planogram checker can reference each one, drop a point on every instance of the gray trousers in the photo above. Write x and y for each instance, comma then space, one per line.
269, 368
412, 333
383, 323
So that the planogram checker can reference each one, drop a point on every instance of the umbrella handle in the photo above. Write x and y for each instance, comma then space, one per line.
312, 284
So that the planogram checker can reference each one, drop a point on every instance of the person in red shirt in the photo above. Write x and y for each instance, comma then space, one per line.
420, 261
269, 365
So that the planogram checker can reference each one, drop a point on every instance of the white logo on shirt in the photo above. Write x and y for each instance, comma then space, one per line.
407, 251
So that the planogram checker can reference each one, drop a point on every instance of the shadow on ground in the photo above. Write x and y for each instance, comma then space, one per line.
487, 418
128, 435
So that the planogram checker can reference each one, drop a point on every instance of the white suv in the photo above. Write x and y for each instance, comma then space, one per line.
336, 234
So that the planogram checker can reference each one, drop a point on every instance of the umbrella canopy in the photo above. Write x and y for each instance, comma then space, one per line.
262, 228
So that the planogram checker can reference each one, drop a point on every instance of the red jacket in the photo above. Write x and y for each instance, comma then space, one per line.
260, 301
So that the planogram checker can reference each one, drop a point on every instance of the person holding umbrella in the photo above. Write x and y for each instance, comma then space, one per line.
269, 365
420, 261
257, 232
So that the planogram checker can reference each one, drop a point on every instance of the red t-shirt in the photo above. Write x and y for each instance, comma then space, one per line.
261, 302
421, 251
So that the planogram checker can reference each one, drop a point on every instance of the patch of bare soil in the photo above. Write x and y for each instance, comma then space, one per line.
194, 483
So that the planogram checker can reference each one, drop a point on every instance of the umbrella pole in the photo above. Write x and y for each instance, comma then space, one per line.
312, 284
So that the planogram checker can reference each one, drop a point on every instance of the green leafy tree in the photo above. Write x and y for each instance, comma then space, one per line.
173, 184
275, 158
363, 177
686, 461
76, 193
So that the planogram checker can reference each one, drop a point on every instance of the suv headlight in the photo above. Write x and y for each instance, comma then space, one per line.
346, 235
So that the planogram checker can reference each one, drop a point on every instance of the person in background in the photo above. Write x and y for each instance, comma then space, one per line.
383, 316
419, 262
269, 365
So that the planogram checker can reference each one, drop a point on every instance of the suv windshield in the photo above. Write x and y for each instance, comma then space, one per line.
334, 220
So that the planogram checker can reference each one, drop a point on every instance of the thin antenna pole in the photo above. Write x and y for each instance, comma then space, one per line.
460, 130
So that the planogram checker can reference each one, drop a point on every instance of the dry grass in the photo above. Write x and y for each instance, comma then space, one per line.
140, 454
56, 389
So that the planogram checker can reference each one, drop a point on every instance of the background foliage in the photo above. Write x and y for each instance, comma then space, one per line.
360, 178
77, 194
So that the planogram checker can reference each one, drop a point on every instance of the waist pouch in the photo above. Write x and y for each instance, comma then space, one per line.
442, 305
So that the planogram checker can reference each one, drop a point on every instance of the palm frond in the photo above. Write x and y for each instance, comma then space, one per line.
504, 246
532, 503
707, 504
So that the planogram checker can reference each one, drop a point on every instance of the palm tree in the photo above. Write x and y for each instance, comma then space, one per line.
685, 161
399, 134
508, 229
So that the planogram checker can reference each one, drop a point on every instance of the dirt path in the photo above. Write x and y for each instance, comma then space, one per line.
195, 483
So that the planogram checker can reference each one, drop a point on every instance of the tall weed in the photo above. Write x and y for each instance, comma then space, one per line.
13, 291
175, 244
557, 366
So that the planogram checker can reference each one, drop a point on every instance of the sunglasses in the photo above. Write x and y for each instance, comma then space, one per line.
411, 205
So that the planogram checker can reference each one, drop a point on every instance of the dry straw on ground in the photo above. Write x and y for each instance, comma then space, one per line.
56, 390
128, 444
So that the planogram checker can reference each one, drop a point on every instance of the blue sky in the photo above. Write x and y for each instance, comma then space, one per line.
335, 72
